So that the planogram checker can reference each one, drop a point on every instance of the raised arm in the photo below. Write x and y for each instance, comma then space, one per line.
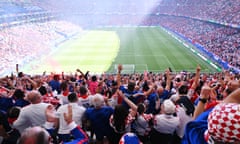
119, 75
196, 79
205, 93
129, 102
34, 84
168, 75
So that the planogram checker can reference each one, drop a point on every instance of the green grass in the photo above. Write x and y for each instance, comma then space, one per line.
148, 48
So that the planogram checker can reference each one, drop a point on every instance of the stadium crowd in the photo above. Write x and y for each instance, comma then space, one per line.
25, 43
220, 40
211, 24
149, 108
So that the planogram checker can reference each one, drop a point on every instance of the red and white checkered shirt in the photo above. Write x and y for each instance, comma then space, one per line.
224, 122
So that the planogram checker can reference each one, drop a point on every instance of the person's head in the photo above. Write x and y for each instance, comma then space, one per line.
20, 74
42, 90
131, 86
56, 77
72, 98
97, 100
34, 97
94, 78
83, 90
223, 124
141, 108
64, 86
145, 86
183, 90
4, 125
18, 94
13, 112
231, 86
119, 116
160, 90
34, 135
168, 107
129, 138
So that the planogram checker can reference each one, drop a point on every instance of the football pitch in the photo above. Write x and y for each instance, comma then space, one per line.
137, 48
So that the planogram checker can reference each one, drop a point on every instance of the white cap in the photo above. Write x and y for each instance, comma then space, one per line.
169, 107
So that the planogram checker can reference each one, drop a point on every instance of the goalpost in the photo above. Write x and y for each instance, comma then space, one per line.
127, 68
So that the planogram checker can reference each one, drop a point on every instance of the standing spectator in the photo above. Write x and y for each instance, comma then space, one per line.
223, 121
142, 123
84, 98
55, 84
37, 134
8, 134
129, 138
92, 84
64, 87
98, 116
18, 96
78, 111
33, 114
122, 118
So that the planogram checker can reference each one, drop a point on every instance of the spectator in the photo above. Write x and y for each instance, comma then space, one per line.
32, 115
78, 111
165, 124
18, 96
8, 134
223, 121
122, 118
98, 116
38, 134
129, 138
143, 123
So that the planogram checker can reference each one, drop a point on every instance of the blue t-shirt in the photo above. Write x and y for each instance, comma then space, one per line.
6, 103
99, 119
194, 131
164, 95
151, 103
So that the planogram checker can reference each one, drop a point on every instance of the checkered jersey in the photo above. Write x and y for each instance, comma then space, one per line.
224, 122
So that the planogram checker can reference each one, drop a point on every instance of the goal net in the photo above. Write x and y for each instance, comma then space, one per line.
127, 68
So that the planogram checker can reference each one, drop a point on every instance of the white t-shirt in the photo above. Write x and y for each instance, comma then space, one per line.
166, 124
77, 112
31, 115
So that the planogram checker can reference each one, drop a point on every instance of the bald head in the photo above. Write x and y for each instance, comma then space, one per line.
34, 97
34, 135
233, 84
160, 90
